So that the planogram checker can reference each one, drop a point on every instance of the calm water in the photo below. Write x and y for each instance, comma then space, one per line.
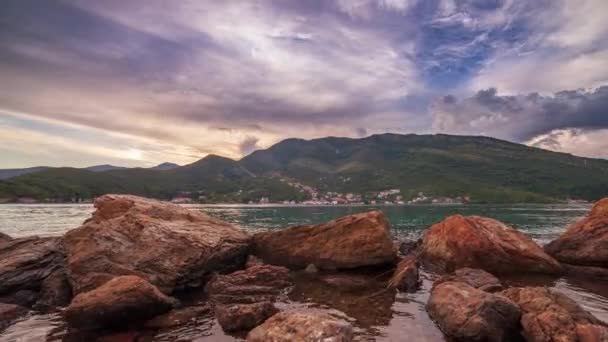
376, 317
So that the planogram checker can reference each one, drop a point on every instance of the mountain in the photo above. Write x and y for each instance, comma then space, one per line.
103, 168
10, 173
164, 166
486, 169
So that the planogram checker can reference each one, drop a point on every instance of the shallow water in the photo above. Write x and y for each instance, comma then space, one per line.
376, 315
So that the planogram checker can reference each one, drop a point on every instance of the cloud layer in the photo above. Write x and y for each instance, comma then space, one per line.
134, 84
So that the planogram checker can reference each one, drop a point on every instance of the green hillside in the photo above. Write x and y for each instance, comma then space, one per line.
486, 169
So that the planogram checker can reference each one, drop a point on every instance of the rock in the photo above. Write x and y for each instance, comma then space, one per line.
407, 247
25, 298
178, 317
252, 260
301, 326
170, 246
406, 277
9, 313
585, 243
55, 291
25, 262
349, 242
348, 282
600, 273
477, 278
4, 237
485, 243
311, 269
465, 313
122, 300
239, 317
548, 315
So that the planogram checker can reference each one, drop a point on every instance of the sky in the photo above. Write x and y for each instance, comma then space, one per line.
140, 82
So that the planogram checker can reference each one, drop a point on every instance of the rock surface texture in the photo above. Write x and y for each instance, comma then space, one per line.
549, 316
4, 237
349, 242
476, 278
585, 243
465, 313
301, 326
121, 301
9, 313
406, 277
170, 246
485, 243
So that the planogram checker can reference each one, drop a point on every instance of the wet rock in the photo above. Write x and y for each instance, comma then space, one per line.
349, 242
26, 262
549, 316
476, 278
55, 291
122, 300
9, 313
348, 282
301, 326
178, 317
484, 243
407, 247
4, 237
406, 277
170, 246
465, 313
585, 243
600, 273
239, 317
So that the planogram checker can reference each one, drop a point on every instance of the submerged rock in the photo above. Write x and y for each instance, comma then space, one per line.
170, 246
349, 242
585, 243
485, 243
406, 277
469, 314
476, 278
301, 326
549, 315
121, 301
178, 317
239, 317
9, 313
348, 282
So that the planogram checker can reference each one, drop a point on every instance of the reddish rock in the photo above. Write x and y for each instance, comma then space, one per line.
121, 301
301, 326
585, 243
465, 313
485, 243
26, 262
406, 277
178, 317
243, 317
9, 313
349, 242
477, 278
55, 291
4, 237
549, 316
170, 246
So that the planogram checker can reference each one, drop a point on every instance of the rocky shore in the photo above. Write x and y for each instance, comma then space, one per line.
139, 266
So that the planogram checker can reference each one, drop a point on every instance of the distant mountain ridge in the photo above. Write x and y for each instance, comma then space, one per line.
485, 169
10, 173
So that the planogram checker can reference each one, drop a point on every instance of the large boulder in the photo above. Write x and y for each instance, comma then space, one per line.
548, 316
349, 242
406, 277
170, 246
26, 262
469, 314
485, 243
585, 243
121, 301
244, 299
477, 278
301, 326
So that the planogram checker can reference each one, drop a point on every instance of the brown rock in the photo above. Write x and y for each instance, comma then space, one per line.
485, 243
120, 301
25, 298
26, 262
301, 326
549, 316
170, 246
600, 273
466, 313
9, 313
239, 317
4, 237
407, 247
406, 277
348, 282
55, 291
349, 242
178, 317
585, 243
477, 278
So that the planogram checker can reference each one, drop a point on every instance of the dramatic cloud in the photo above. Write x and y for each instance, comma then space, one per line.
174, 81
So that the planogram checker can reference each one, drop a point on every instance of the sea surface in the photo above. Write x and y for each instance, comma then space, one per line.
376, 317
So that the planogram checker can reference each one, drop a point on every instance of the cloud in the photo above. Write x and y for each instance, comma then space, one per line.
248, 145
